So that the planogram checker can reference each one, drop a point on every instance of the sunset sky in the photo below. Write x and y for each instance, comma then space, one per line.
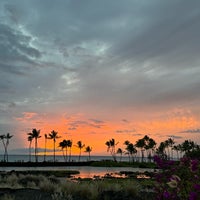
99, 69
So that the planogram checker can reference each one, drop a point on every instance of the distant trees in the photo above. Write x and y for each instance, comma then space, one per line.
5, 141
146, 145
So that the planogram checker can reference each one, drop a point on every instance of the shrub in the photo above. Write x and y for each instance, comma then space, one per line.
178, 181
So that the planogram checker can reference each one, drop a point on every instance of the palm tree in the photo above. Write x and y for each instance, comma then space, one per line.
130, 148
45, 146
141, 145
127, 143
169, 144
53, 136
80, 146
5, 140
69, 144
120, 152
111, 144
63, 145
177, 149
150, 145
161, 150
35, 134
30, 139
88, 150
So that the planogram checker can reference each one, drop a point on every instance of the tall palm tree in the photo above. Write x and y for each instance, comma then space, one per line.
141, 145
5, 140
151, 147
30, 139
80, 146
88, 150
35, 134
127, 143
53, 136
69, 144
111, 145
63, 146
131, 150
45, 146
120, 152
169, 144
161, 150
2, 138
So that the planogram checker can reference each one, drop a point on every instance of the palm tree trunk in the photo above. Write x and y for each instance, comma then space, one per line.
45, 150
70, 152
36, 158
30, 152
54, 151
66, 155
79, 155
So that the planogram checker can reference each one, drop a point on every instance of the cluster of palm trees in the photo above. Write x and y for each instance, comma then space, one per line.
64, 145
148, 145
5, 141
145, 144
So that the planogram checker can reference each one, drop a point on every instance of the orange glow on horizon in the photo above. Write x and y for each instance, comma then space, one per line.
95, 133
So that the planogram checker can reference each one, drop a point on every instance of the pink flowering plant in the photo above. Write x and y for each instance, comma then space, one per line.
177, 180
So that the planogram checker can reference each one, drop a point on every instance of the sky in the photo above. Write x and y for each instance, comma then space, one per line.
95, 70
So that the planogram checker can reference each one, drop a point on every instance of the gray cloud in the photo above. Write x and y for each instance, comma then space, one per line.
126, 131
100, 57
192, 131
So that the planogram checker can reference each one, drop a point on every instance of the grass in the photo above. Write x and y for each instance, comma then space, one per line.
83, 190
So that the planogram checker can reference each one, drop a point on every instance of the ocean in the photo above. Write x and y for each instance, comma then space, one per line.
59, 158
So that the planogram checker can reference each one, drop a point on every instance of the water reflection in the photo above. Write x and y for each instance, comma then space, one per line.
89, 172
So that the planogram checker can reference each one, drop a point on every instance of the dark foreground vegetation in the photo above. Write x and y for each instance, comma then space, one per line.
23, 186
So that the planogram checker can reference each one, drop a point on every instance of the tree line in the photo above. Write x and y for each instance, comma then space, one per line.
146, 147
65, 145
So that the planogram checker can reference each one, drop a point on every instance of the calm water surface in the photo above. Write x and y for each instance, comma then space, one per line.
85, 171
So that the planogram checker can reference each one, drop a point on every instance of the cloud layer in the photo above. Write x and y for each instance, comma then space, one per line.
107, 60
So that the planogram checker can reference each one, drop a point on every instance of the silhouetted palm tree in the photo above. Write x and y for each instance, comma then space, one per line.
151, 147
69, 144
5, 140
63, 146
131, 150
111, 144
88, 150
169, 144
53, 136
30, 139
141, 145
35, 134
45, 146
80, 146
120, 152
161, 150
127, 143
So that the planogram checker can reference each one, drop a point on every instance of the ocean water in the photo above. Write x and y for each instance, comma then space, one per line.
85, 171
59, 158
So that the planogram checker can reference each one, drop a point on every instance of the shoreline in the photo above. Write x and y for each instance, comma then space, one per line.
45, 164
